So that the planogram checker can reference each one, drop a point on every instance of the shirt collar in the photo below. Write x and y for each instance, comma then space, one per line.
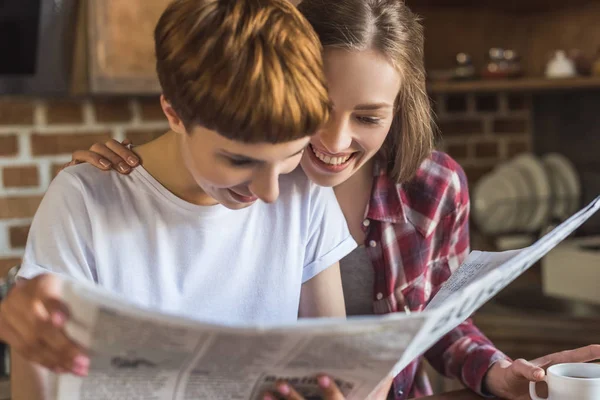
398, 203
386, 203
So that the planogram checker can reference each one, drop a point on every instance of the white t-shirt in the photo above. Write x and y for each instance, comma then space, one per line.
135, 238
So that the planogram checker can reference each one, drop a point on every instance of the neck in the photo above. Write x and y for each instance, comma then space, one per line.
353, 196
363, 178
163, 160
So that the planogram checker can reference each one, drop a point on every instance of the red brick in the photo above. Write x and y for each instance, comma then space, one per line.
476, 172
19, 206
9, 145
514, 148
141, 136
22, 176
486, 149
112, 110
151, 110
55, 169
15, 111
18, 236
511, 125
461, 127
64, 111
458, 151
6, 264
65, 143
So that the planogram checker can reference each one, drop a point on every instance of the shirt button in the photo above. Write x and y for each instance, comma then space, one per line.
379, 296
400, 392
372, 243
366, 222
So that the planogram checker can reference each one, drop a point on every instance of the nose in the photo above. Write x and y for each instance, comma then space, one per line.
265, 185
335, 135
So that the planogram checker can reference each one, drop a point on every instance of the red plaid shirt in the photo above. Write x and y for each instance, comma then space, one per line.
417, 234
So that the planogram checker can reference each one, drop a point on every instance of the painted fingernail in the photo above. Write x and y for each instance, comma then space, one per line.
538, 374
324, 381
123, 167
283, 389
58, 318
80, 371
81, 362
132, 160
104, 163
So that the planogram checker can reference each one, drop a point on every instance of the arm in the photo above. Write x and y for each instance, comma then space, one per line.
322, 296
328, 240
28, 381
464, 353
32, 316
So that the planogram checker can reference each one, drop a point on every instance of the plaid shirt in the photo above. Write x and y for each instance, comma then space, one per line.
417, 234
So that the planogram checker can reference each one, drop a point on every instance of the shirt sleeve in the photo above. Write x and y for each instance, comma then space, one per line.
465, 353
60, 239
329, 239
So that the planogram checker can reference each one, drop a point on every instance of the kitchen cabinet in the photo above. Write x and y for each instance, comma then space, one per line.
116, 46
516, 6
535, 29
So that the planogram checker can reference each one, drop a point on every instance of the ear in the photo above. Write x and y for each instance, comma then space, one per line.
175, 122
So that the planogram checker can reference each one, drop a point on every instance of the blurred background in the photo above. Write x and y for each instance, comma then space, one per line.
515, 86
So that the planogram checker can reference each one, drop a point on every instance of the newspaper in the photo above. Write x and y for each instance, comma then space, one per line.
142, 354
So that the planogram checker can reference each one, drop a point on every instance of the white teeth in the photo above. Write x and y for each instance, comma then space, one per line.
328, 159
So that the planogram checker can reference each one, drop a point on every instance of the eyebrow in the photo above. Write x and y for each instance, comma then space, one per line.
372, 106
246, 158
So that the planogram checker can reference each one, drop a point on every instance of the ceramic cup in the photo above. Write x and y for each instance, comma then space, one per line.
576, 381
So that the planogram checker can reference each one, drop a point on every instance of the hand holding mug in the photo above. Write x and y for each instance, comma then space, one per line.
578, 381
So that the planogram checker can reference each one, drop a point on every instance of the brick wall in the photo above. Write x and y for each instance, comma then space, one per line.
37, 136
480, 130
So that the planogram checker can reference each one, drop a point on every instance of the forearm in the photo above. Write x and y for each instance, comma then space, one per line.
29, 381
466, 354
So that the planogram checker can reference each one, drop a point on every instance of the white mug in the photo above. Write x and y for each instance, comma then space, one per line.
576, 381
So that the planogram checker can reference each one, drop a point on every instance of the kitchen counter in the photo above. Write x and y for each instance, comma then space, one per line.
525, 323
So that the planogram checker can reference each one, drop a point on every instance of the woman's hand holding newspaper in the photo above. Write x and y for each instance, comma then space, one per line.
32, 320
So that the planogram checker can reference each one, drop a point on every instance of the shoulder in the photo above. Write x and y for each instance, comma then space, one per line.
296, 185
93, 182
86, 175
438, 189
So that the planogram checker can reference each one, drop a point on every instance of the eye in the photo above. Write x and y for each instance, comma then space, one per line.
368, 120
240, 162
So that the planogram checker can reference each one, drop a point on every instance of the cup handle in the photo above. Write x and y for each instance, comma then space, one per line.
533, 392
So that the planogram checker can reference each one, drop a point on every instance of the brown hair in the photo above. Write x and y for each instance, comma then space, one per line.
250, 70
390, 27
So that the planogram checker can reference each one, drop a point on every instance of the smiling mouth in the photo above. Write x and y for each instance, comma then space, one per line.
334, 163
241, 198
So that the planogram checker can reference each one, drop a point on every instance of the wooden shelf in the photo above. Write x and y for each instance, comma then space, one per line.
514, 85
527, 6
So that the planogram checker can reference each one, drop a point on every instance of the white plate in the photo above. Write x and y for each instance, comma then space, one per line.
524, 202
512, 199
540, 184
569, 177
492, 205
561, 193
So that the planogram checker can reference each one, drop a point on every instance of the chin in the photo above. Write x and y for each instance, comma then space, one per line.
323, 179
